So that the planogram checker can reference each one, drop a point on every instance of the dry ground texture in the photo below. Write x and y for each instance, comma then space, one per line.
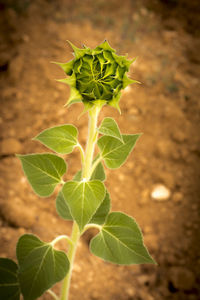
164, 36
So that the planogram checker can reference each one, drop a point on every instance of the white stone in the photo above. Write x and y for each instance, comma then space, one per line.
160, 192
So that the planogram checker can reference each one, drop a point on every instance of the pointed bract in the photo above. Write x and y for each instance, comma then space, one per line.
79, 52
105, 46
75, 96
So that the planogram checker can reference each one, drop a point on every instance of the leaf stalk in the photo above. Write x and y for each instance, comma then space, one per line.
61, 237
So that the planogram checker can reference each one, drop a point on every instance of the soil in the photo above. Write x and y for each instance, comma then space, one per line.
165, 108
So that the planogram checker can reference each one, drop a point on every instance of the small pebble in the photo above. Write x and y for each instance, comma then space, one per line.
160, 192
10, 146
130, 292
182, 278
178, 197
134, 111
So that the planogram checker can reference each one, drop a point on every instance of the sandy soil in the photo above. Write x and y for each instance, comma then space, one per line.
165, 108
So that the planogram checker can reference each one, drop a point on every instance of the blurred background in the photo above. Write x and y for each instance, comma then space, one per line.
159, 184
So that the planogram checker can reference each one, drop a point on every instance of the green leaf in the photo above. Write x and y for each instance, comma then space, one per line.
110, 128
9, 283
98, 218
120, 241
77, 176
114, 152
102, 212
40, 266
98, 173
61, 139
83, 199
43, 171
62, 207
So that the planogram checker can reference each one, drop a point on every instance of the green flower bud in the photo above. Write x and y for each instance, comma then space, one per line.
96, 76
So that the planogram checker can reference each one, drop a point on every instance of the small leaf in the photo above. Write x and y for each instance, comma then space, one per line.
98, 173
9, 283
62, 207
102, 212
110, 128
78, 176
114, 152
120, 241
43, 171
40, 266
83, 199
61, 139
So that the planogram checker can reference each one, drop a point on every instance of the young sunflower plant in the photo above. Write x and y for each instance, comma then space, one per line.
96, 78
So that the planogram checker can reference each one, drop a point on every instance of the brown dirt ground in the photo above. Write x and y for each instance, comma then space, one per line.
165, 108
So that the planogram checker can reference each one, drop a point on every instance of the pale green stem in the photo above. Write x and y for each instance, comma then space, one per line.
88, 226
87, 159
71, 254
53, 294
92, 137
61, 237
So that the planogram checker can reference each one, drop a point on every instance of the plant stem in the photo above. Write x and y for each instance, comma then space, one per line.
71, 254
88, 226
86, 173
92, 137
61, 237
53, 294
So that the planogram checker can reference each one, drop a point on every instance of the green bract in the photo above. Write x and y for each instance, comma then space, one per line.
96, 76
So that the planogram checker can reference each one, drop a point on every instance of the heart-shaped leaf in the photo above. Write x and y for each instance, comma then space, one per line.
102, 212
62, 207
114, 152
9, 283
61, 139
110, 128
83, 199
120, 241
99, 216
43, 171
40, 266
